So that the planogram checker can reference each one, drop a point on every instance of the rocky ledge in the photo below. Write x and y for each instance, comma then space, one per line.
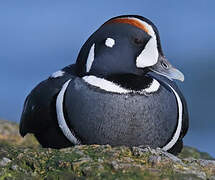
23, 158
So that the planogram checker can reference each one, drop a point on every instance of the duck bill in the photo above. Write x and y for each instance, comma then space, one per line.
164, 68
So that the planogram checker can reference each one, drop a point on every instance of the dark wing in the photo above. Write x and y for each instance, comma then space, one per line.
185, 116
185, 122
39, 112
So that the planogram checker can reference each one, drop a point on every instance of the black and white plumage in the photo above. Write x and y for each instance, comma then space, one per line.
119, 92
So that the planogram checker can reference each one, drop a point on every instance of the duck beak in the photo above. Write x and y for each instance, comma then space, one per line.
164, 68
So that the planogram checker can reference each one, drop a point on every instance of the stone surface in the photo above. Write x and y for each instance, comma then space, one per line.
9, 134
25, 159
4, 161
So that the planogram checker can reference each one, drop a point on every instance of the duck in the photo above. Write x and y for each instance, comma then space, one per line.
121, 91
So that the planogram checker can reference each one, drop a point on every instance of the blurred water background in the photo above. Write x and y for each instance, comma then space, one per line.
40, 37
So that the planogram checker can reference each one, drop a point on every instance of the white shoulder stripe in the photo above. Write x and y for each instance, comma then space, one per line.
175, 137
57, 74
60, 115
90, 58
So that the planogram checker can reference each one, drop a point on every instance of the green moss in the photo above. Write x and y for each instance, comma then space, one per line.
194, 153
86, 162
27, 160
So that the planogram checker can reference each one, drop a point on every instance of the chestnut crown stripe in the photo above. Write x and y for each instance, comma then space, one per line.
149, 55
132, 21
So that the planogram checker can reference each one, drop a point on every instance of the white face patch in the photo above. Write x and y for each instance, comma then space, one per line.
115, 88
149, 55
57, 74
175, 137
60, 115
110, 42
90, 58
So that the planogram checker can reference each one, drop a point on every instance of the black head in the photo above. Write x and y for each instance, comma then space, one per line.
124, 45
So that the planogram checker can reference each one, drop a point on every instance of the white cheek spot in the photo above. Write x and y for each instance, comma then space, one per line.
154, 86
90, 58
60, 115
175, 137
110, 42
149, 55
57, 74
105, 85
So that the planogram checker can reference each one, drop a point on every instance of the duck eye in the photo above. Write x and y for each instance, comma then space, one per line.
164, 65
138, 41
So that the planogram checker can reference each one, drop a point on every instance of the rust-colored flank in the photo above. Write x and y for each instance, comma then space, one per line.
132, 22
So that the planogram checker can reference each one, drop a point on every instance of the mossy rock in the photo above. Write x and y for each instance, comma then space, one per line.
188, 152
25, 159
9, 134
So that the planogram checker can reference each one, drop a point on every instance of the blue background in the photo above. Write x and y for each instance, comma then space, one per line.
38, 38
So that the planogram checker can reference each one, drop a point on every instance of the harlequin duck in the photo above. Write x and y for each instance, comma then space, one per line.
120, 91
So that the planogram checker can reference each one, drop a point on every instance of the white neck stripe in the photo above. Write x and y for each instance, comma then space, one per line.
115, 88
176, 136
60, 116
90, 58
154, 86
105, 84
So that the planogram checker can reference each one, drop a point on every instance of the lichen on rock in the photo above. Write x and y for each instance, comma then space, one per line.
25, 159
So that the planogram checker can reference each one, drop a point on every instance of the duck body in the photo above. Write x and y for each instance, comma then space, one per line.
82, 105
120, 119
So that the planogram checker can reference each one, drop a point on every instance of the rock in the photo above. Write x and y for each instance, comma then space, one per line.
25, 159
4, 161
14, 167
154, 160
9, 134
193, 152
